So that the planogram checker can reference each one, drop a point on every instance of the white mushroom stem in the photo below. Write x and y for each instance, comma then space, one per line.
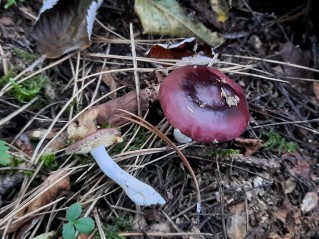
139, 192
95, 143
180, 137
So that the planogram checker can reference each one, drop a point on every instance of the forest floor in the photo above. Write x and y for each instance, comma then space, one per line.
264, 184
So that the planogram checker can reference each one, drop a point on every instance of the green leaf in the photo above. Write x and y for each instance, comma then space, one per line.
84, 225
68, 231
166, 17
73, 212
4, 155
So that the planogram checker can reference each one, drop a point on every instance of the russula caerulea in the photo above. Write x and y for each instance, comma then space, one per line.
204, 104
139, 192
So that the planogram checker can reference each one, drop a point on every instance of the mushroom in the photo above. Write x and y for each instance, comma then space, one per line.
95, 143
204, 104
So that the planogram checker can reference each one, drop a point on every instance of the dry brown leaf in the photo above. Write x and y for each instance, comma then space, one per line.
107, 113
127, 102
251, 146
45, 195
84, 125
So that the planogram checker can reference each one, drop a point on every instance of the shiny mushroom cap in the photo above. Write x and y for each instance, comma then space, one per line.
204, 104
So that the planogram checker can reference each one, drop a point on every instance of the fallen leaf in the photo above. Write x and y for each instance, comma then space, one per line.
107, 113
173, 51
309, 202
237, 224
166, 17
127, 102
188, 52
84, 125
47, 191
221, 9
64, 26
251, 146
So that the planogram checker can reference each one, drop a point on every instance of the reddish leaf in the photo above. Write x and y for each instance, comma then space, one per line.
173, 51
185, 48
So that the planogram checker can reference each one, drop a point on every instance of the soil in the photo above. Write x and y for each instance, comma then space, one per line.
261, 185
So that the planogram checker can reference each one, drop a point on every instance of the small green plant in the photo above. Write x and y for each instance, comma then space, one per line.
119, 224
10, 3
24, 55
29, 89
222, 153
6, 78
4, 154
83, 225
49, 161
277, 142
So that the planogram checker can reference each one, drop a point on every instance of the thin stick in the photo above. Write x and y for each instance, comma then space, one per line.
136, 78
9, 117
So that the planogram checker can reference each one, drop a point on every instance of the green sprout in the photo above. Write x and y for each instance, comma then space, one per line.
49, 161
4, 154
10, 3
277, 142
119, 224
24, 55
222, 153
29, 89
82, 225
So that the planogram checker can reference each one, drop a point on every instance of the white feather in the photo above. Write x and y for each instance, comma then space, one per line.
47, 5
